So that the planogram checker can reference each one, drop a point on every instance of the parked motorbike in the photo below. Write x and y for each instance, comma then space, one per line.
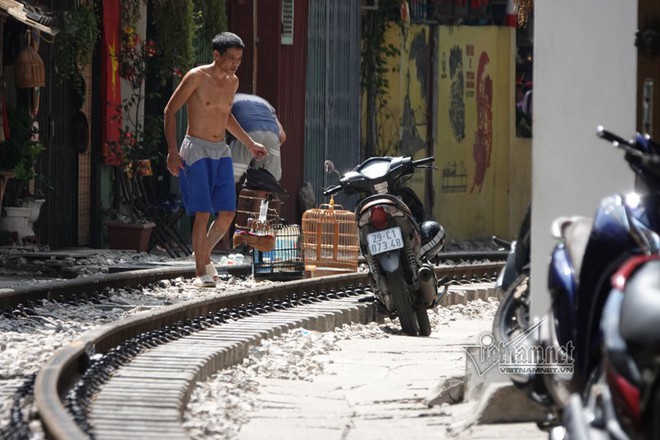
512, 286
591, 418
630, 367
511, 325
590, 254
395, 238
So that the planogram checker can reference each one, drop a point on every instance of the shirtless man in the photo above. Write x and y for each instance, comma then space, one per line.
203, 163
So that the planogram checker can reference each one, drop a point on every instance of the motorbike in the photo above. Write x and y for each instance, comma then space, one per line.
581, 348
624, 402
511, 323
512, 286
630, 365
395, 238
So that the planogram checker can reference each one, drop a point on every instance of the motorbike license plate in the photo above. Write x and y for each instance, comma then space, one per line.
384, 241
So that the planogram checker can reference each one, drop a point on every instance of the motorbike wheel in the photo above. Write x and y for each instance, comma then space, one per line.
523, 242
560, 385
650, 418
403, 303
423, 321
512, 316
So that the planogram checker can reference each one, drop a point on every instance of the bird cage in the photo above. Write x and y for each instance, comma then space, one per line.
284, 262
330, 240
256, 214
249, 204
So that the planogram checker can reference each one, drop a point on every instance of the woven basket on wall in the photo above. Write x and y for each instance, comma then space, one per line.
29, 70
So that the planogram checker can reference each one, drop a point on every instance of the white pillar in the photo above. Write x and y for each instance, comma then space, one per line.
585, 74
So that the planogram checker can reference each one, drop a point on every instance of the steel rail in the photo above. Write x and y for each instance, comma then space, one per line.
66, 367
64, 289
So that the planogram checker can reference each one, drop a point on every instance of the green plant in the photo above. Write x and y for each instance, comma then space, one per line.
174, 29
76, 43
210, 20
19, 152
215, 19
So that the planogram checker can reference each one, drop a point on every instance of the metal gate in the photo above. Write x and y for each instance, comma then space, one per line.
57, 168
332, 128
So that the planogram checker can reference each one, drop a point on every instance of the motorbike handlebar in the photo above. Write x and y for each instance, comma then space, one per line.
331, 190
351, 186
423, 161
611, 137
631, 146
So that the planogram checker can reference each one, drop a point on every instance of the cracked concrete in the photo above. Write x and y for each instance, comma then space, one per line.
396, 387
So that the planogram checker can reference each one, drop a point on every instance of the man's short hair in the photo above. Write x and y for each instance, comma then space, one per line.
227, 40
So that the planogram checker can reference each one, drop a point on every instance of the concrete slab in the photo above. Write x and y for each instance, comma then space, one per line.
383, 389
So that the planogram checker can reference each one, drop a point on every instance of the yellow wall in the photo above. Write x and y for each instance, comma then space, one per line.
413, 91
482, 182
402, 119
475, 110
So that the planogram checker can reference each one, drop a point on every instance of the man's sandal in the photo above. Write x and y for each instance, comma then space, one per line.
204, 281
212, 271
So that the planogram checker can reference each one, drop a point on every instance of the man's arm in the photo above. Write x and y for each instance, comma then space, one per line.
178, 99
257, 150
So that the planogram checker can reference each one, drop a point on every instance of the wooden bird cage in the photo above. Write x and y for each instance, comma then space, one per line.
330, 240
249, 202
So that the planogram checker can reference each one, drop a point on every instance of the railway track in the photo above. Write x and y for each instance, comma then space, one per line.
150, 347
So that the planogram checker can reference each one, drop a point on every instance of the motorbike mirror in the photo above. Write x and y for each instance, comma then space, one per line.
329, 167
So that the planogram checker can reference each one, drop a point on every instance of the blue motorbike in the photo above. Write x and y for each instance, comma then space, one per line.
589, 252
624, 401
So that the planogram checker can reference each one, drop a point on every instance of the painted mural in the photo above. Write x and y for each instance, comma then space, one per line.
483, 143
402, 121
402, 116
457, 93
413, 121
473, 129
471, 84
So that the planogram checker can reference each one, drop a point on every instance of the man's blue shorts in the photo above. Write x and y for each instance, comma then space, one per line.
207, 180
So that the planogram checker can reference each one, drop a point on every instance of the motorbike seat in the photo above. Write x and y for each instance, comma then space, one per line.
574, 231
641, 306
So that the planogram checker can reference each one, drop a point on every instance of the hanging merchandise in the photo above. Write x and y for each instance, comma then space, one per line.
29, 69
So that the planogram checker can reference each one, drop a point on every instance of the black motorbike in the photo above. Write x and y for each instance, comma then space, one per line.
511, 323
396, 240
512, 285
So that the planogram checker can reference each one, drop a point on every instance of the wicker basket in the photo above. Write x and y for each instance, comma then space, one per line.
330, 240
